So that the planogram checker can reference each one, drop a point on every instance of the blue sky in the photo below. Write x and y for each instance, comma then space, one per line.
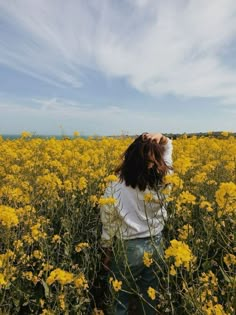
109, 67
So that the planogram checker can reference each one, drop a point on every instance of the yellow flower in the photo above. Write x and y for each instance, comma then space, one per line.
230, 259
209, 279
147, 259
207, 205
47, 266
93, 199
37, 254
116, 284
81, 246
172, 270
182, 164
26, 134
107, 201
211, 182
181, 254
63, 277
82, 184
27, 239
4, 258
18, 244
174, 180
218, 310
148, 197
203, 295
29, 276
61, 299
186, 198
68, 185
185, 232
56, 238
210, 309
199, 178
151, 293
81, 282
2, 280
36, 231
8, 216
111, 178
226, 197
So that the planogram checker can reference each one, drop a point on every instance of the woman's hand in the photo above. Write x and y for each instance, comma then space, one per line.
158, 137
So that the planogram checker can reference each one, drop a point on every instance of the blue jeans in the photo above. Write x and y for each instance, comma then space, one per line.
128, 266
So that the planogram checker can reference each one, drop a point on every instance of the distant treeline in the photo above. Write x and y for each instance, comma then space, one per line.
215, 134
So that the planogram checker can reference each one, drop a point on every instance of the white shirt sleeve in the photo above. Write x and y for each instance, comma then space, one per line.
167, 156
108, 216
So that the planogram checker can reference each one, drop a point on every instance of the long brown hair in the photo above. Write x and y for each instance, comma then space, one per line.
143, 164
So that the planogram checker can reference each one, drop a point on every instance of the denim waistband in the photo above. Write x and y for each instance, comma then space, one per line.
156, 237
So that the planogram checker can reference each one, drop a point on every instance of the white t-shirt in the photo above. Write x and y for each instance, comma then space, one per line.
135, 213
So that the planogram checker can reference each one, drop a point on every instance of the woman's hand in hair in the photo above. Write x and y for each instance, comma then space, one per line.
158, 137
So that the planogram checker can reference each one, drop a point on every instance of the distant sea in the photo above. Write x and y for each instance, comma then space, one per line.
13, 137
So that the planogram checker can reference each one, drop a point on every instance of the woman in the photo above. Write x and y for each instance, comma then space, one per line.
134, 217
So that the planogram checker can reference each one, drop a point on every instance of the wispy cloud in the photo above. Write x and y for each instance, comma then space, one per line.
47, 115
58, 106
160, 47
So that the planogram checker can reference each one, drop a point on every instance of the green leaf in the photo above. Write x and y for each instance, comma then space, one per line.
226, 277
46, 288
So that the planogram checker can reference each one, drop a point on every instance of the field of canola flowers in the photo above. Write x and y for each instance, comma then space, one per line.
50, 258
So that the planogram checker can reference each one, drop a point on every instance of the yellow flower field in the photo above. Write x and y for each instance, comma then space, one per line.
50, 256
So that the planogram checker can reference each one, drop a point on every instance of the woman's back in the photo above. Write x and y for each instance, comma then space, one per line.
136, 213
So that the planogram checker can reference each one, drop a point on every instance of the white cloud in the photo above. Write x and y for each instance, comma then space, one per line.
160, 47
